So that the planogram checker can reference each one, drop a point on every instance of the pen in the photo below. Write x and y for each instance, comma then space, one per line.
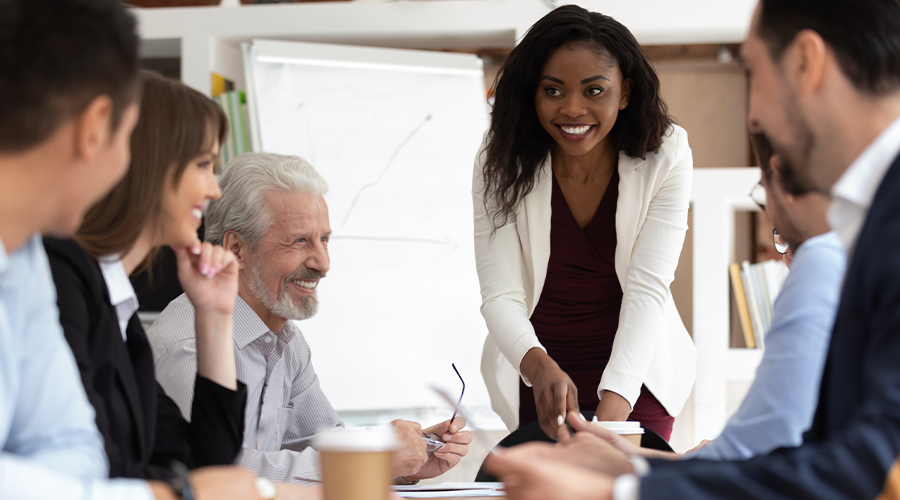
431, 444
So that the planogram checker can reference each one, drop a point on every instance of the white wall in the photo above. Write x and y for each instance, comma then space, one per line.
418, 24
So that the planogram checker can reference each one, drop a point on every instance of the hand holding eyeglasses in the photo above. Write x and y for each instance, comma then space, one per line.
448, 443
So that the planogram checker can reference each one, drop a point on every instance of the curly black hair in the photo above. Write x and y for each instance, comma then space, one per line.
517, 142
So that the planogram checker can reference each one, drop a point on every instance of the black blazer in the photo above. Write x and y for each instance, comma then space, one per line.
143, 429
855, 436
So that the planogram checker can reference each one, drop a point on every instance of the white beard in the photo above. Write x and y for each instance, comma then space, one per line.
283, 304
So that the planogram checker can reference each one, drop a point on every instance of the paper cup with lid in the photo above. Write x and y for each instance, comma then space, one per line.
631, 431
357, 462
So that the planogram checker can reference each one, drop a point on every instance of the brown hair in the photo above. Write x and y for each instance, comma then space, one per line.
176, 125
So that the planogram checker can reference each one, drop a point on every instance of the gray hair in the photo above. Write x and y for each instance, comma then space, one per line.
245, 181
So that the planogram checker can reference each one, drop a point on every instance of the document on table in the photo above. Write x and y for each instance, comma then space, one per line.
451, 490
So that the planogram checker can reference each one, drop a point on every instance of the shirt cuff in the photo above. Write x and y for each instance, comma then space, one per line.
627, 487
640, 464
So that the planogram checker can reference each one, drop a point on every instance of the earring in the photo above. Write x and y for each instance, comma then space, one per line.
624, 105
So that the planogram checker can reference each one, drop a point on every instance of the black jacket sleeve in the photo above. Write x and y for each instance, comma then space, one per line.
215, 433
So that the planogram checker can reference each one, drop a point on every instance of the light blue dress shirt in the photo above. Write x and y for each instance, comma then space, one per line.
51, 447
780, 404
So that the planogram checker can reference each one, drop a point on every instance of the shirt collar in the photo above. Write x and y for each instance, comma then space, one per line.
120, 289
859, 183
248, 326
121, 293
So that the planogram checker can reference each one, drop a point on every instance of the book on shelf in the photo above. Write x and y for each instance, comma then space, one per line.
756, 286
741, 299
237, 142
220, 84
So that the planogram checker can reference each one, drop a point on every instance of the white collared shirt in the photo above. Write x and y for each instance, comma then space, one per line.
852, 194
285, 408
121, 293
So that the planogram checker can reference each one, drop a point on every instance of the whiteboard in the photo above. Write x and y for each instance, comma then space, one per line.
395, 133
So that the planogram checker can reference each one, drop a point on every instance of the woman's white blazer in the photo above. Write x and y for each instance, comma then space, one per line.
651, 347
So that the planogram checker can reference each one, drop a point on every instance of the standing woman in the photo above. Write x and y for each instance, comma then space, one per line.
159, 202
581, 193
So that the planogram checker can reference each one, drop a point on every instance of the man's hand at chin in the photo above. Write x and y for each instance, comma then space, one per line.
412, 462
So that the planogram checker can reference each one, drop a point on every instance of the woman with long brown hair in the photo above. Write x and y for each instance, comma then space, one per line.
159, 202
581, 195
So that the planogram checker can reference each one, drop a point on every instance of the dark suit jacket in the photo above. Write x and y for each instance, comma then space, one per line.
142, 428
855, 436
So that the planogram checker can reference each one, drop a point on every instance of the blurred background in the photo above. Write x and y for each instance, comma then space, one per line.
220, 48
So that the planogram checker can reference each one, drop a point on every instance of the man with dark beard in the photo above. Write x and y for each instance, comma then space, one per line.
273, 216
825, 89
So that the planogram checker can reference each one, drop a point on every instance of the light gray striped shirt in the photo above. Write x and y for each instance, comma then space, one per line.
285, 405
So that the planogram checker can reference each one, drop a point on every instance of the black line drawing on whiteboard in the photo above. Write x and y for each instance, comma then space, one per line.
385, 169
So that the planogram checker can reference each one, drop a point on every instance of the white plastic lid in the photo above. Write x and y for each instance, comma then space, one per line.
357, 439
620, 427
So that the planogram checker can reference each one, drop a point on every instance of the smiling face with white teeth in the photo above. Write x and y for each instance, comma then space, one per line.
278, 279
578, 98
185, 197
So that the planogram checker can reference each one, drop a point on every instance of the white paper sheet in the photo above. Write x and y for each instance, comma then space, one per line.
451, 490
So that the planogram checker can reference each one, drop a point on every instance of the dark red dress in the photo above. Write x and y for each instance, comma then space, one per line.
577, 315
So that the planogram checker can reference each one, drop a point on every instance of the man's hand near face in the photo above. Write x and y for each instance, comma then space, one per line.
412, 462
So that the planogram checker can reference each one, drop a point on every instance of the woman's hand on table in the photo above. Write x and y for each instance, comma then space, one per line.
554, 392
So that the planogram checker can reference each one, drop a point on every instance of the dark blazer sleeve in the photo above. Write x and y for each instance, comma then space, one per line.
852, 466
216, 431
859, 406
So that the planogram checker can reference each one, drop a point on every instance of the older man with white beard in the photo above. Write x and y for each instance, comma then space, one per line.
273, 216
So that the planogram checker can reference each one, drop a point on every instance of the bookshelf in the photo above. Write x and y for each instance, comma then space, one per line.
717, 194
206, 39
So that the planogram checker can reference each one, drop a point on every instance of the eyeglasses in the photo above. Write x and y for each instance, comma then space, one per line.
758, 195
781, 246
460, 394
479, 434
432, 444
